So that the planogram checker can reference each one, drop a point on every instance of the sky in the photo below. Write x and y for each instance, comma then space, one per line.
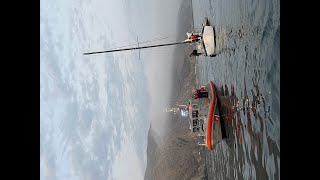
95, 111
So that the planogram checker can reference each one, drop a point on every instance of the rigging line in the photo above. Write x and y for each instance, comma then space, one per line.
153, 40
159, 38
143, 47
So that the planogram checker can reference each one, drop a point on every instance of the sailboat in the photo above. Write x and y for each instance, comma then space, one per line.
208, 44
205, 40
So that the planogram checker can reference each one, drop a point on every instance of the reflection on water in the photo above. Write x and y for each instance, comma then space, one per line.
246, 72
242, 155
231, 107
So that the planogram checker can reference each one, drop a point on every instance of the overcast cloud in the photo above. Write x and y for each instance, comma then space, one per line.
96, 110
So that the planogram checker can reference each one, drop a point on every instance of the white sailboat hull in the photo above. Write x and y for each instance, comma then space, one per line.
208, 40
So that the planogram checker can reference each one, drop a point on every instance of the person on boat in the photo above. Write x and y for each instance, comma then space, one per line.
195, 37
195, 53
192, 37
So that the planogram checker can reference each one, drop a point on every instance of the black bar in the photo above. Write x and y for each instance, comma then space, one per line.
143, 47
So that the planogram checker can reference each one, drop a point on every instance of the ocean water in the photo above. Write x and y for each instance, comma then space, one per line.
246, 72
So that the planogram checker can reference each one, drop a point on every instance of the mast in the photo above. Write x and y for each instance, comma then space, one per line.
142, 47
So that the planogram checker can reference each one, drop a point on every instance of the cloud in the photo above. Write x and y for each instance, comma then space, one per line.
95, 111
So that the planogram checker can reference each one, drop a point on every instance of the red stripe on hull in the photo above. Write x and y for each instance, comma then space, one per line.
210, 116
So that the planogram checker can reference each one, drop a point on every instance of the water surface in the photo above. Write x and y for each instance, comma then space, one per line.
246, 71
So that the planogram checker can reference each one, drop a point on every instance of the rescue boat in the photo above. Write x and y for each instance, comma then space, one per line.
204, 116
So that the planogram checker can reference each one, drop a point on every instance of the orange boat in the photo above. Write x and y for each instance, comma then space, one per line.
204, 115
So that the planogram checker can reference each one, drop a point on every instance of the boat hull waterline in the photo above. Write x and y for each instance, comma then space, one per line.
214, 134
